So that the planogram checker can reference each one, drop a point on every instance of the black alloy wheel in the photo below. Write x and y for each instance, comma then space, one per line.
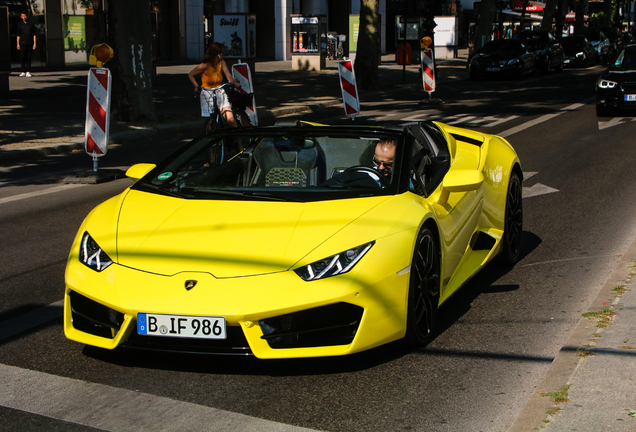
424, 289
513, 222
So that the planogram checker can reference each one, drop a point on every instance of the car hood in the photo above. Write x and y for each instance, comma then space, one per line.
226, 238
496, 56
619, 75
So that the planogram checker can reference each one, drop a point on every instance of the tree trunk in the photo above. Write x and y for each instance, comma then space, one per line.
548, 16
607, 14
483, 29
130, 37
579, 24
367, 61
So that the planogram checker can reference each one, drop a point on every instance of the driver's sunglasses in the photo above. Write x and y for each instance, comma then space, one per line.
376, 162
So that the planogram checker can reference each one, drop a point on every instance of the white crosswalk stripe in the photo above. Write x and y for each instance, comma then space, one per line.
465, 119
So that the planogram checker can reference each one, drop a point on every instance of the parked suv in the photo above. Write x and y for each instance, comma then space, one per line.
547, 49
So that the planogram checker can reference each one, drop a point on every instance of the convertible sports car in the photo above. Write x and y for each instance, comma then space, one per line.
294, 241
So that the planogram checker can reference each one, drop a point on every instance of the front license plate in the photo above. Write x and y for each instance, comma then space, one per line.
492, 69
630, 98
184, 326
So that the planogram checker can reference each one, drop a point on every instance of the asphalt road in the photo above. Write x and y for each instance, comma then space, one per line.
496, 337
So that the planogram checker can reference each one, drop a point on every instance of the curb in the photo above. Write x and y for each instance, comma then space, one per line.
567, 362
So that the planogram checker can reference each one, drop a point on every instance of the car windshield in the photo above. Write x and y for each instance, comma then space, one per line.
503, 47
534, 39
291, 164
573, 43
626, 59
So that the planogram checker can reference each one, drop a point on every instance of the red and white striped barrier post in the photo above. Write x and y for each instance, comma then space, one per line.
241, 73
97, 113
349, 88
427, 59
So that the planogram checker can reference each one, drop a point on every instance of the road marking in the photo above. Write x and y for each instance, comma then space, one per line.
27, 321
115, 409
537, 189
469, 119
39, 193
613, 122
542, 119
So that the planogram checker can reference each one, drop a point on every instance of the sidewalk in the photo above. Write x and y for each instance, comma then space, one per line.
45, 114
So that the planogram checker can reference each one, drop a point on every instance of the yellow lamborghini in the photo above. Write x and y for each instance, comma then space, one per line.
294, 241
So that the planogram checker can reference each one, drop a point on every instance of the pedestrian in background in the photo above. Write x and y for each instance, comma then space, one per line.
26, 43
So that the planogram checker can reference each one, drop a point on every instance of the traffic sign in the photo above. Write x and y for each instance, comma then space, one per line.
97, 112
242, 74
349, 88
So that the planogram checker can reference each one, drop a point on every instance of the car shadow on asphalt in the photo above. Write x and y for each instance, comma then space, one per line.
452, 311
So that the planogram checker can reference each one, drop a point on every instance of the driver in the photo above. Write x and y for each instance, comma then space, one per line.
383, 156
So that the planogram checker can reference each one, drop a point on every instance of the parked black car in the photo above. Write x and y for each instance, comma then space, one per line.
547, 49
504, 57
616, 41
579, 52
601, 43
616, 87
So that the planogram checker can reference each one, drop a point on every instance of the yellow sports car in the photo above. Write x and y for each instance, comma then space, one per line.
294, 241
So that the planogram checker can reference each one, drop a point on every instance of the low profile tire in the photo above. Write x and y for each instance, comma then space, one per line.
513, 222
424, 290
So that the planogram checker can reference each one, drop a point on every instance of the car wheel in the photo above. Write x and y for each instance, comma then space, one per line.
513, 222
424, 289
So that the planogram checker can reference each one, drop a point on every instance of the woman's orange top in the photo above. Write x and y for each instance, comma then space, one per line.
213, 77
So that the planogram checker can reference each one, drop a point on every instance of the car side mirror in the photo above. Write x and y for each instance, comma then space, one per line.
460, 181
139, 170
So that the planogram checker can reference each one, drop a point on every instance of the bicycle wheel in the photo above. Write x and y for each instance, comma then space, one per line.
213, 123
242, 120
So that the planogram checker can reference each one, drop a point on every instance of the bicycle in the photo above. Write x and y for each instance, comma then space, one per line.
238, 101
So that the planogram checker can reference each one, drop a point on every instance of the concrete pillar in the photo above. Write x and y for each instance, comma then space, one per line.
195, 41
282, 16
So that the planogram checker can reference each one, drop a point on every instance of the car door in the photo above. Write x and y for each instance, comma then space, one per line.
457, 215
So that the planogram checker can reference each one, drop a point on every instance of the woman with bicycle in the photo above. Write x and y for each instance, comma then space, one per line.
212, 69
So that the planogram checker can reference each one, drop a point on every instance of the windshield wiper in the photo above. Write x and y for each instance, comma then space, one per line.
173, 192
261, 195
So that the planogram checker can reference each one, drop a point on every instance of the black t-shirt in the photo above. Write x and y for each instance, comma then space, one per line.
26, 31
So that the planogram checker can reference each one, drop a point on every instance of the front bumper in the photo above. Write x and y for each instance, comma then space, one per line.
616, 98
334, 316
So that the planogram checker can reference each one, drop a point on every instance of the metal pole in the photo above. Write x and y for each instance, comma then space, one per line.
95, 158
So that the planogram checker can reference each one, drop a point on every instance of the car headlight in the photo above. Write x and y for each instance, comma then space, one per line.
606, 84
334, 265
91, 255
513, 62
580, 55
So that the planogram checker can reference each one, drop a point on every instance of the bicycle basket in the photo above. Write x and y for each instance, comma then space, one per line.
238, 99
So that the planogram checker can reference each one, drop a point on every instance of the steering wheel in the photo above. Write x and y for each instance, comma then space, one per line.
381, 180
